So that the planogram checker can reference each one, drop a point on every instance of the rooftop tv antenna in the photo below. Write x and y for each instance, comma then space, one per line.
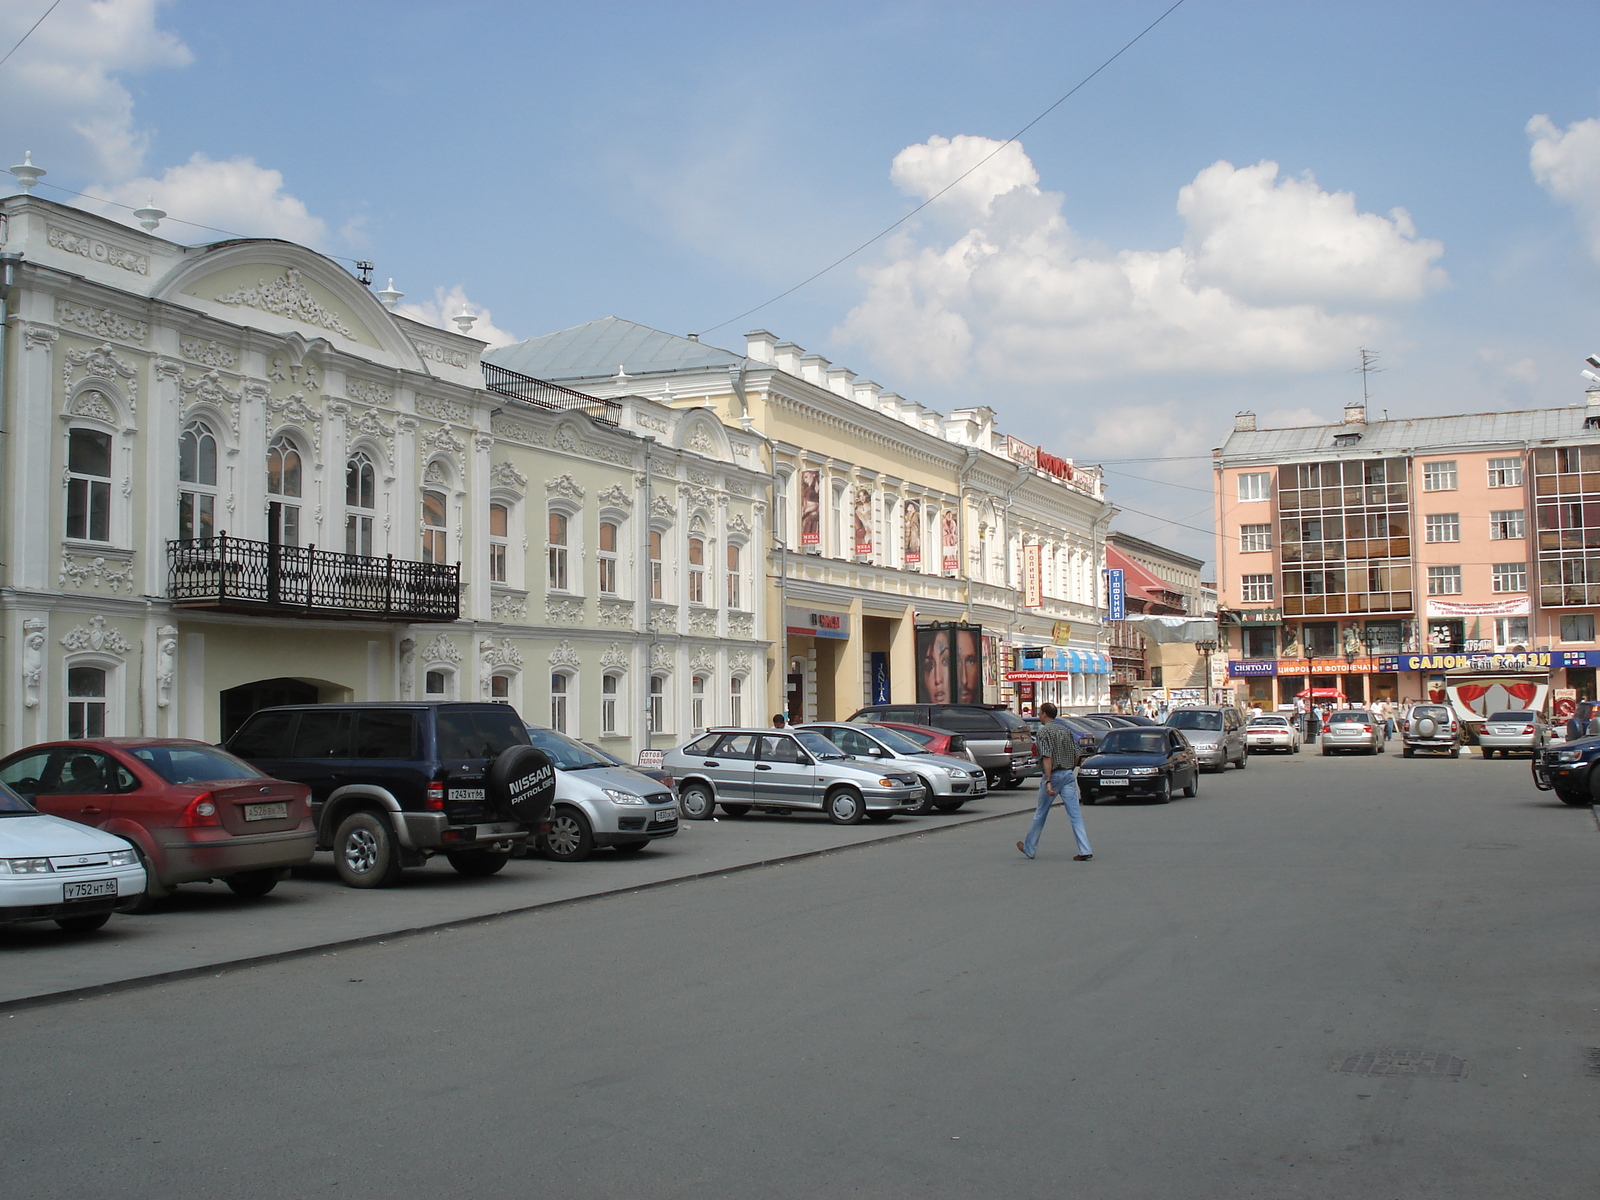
1368, 367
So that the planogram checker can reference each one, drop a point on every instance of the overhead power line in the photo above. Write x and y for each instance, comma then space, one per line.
883, 233
29, 34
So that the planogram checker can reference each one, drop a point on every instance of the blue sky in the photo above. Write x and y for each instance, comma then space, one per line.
1115, 287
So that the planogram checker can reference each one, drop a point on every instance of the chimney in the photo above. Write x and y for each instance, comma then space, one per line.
867, 393
1244, 422
1355, 414
760, 345
841, 379
814, 369
1592, 395
787, 356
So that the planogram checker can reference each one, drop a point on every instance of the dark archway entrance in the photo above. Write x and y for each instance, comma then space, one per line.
238, 703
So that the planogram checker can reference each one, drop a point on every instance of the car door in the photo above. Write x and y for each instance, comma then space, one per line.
1185, 764
321, 752
784, 772
84, 785
730, 767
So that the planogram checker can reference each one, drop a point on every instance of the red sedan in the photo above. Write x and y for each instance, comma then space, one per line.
193, 811
933, 741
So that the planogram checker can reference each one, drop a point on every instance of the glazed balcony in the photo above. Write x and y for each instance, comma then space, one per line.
229, 574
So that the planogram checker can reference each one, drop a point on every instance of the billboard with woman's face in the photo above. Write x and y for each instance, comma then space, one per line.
810, 508
863, 520
949, 534
913, 532
950, 662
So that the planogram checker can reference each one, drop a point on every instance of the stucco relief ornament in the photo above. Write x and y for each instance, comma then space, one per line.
660, 657
369, 424
565, 655
483, 442
100, 321
703, 621
700, 441
208, 354
507, 476
566, 612
662, 507
32, 660
293, 410
96, 637
563, 487
738, 524
615, 612
740, 661
287, 297
442, 410
368, 393
408, 655
118, 577
209, 389
615, 657
703, 660
442, 649
166, 663
103, 363
616, 496
509, 608
741, 625
94, 405
441, 441
499, 653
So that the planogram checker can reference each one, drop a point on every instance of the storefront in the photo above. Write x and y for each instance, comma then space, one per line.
1068, 678
1267, 682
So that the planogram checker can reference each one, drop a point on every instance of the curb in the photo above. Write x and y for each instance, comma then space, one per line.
1595, 809
138, 982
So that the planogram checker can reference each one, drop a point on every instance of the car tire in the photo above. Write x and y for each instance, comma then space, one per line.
845, 806
1407, 751
478, 864
696, 802
1164, 796
735, 810
878, 818
1576, 799
1325, 752
252, 884
1243, 762
1455, 751
925, 805
568, 839
1015, 781
949, 805
1085, 796
364, 851
87, 923
1486, 752
1193, 789
629, 847
154, 890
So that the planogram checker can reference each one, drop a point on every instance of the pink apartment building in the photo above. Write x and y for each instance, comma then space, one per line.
1393, 560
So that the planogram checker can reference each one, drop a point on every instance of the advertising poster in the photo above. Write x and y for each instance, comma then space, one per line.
863, 520
880, 677
810, 508
913, 522
951, 664
995, 652
949, 539
969, 664
1032, 576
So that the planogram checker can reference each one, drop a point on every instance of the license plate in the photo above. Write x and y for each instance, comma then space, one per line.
276, 811
666, 816
489, 831
463, 795
87, 889
1113, 783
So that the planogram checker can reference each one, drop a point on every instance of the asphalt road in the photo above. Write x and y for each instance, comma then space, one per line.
930, 1017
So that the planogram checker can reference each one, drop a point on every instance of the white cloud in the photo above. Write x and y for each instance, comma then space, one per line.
60, 95
234, 194
1272, 274
447, 304
1566, 163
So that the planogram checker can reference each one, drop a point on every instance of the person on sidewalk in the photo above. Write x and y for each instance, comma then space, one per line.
1058, 755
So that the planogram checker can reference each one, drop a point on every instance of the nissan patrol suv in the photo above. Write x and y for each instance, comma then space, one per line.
394, 784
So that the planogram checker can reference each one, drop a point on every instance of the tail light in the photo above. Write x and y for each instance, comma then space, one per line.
202, 812
435, 801
1366, 729
1527, 729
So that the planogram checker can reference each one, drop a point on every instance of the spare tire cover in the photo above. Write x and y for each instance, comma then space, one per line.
1427, 727
521, 784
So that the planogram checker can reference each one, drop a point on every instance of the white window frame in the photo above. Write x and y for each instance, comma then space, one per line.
1255, 539
697, 703
1439, 476
1255, 485
656, 548
657, 710
196, 497
736, 700
283, 444
696, 571
608, 562
1508, 524
735, 577
360, 522
1440, 579
1510, 577
1441, 527
447, 674
1255, 589
434, 545
557, 575
561, 701
89, 485
110, 701
612, 704
1504, 633
500, 544
1505, 472
508, 685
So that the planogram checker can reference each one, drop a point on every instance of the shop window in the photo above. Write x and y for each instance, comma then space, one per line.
1258, 643
1511, 631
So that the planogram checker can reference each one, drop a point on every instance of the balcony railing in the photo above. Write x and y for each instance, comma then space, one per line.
551, 397
236, 575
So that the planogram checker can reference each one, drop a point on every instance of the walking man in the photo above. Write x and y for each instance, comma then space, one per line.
1058, 754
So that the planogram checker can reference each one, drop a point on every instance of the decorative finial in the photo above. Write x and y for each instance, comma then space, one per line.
149, 216
27, 174
621, 375
389, 296
464, 321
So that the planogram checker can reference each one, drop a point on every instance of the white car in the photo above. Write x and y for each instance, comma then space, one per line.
1269, 732
56, 870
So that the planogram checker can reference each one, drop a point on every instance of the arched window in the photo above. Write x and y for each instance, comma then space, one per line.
655, 564
435, 542
697, 571
608, 558
86, 702
697, 702
89, 485
499, 541
558, 703
658, 703
735, 590
736, 700
283, 490
197, 468
557, 549
610, 687
361, 504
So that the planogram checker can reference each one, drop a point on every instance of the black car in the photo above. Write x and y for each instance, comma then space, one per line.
1149, 763
394, 784
1569, 771
1125, 719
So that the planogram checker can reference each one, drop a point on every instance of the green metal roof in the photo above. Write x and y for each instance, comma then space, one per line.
596, 349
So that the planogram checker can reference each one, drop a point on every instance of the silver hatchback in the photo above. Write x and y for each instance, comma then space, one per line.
1354, 729
947, 782
780, 770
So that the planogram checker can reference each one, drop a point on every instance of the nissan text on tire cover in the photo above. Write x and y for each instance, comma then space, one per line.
522, 783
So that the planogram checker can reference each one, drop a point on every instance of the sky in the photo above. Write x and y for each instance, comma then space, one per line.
1214, 223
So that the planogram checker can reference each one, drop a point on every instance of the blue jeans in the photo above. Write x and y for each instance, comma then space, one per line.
1066, 785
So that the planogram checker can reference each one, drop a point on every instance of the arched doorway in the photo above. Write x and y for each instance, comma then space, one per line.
239, 702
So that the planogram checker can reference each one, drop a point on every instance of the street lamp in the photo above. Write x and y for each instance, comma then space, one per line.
1207, 648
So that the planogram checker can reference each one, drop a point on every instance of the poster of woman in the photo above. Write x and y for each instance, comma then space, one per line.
913, 532
969, 665
863, 520
949, 535
810, 508
934, 682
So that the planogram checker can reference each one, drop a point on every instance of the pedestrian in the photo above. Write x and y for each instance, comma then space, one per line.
1058, 755
780, 721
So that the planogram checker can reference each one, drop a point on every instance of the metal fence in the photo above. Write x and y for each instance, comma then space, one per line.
234, 573
551, 397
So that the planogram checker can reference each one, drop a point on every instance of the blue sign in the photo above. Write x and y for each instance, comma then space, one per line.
1116, 595
880, 677
1575, 658
1239, 668
1527, 660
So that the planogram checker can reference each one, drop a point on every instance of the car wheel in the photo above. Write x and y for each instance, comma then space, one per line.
476, 864
879, 818
364, 852
1015, 781
697, 803
1164, 796
1455, 751
736, 810
949, 805
1407, 751
568, 838
845, 807
1295, 749
1244, 756
1486, 752
924, 805
253, 883
154, 890
1576, 799
1194, 787
630, 847
1325, 752
87, 923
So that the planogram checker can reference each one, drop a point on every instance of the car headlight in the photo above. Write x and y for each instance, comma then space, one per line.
124, 858
1144, 770
622, 797
1091, 771
1567, 755
25, 866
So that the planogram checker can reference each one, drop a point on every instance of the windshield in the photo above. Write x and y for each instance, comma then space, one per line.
194, 764
1275, 722
1512, 716
819, 745
896, 741
1194, 718
568, 754
13, 805
1133, 741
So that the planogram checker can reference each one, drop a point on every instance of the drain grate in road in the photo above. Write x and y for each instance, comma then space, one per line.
1591, 1061
1434, 1064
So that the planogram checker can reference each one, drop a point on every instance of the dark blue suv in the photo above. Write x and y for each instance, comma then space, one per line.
1569, 771
394, 784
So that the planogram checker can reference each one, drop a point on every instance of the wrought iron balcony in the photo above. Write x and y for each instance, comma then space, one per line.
236, 575
551, 397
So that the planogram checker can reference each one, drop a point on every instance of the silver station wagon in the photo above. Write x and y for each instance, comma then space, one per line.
782, 770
